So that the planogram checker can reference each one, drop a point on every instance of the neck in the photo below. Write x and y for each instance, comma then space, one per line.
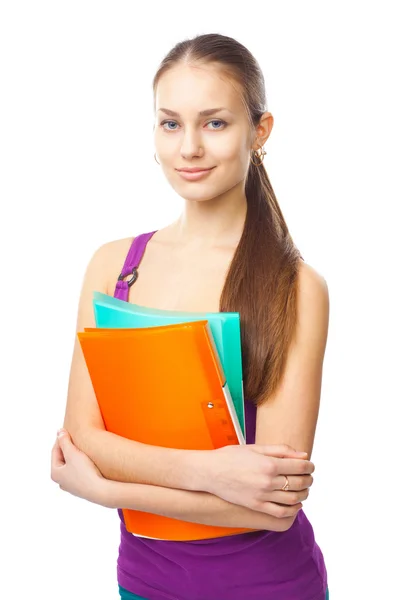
215, 222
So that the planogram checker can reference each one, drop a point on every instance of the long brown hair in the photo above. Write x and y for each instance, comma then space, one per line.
262, 280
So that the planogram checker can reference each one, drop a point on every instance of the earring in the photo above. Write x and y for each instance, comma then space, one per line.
254, 153
155, 158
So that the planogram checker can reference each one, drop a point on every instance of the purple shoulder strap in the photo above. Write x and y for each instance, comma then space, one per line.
131, 264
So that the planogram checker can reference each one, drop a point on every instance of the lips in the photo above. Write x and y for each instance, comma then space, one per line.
194, 175
194, 170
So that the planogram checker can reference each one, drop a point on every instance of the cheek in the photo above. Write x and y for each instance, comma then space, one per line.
230, 148
235, 160
161, 143
167, 150
227, 154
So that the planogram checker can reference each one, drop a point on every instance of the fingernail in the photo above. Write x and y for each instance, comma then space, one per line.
302, 453
60, 432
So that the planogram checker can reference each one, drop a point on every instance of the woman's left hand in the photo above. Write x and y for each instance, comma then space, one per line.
75, 472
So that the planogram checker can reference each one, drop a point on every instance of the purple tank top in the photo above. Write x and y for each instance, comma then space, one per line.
260, 565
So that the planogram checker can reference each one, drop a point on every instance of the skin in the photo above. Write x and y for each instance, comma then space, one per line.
215, 207
198, 247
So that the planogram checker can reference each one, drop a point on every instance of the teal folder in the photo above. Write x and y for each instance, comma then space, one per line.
110, 312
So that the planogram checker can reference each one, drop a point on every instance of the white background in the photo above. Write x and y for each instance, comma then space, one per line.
77, 170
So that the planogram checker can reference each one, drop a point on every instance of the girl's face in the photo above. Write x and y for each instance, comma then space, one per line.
184, 138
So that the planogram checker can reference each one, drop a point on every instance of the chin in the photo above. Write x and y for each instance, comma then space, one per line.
199, 195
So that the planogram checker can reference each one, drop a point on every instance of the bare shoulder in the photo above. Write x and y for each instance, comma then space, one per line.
313, 301
108, 259
82, 411
311, 281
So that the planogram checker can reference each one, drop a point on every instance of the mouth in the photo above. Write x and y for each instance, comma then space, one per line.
194, 170
194, 174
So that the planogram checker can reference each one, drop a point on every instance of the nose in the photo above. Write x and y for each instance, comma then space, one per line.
191, 144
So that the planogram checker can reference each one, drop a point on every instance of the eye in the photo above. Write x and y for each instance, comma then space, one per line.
165, 122
221, 122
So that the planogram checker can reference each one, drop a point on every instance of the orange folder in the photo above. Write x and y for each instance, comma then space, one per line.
163, 386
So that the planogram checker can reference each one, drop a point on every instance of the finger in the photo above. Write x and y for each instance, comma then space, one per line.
296, 482
293, 466
278, 510
57, 456
64, 442
278, 450
288, 498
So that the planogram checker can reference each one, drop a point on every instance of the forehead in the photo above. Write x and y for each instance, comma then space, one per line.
189, 89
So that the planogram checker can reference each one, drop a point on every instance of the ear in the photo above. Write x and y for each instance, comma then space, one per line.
263, 130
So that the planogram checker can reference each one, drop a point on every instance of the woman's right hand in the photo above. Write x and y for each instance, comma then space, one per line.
252, 475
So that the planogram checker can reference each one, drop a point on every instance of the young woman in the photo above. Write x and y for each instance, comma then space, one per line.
230, 250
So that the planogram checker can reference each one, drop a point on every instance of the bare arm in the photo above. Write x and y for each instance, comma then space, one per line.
244, 475
292, 413
195, 507
116, 457
123, 460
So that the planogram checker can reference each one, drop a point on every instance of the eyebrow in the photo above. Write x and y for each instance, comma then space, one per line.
202, 113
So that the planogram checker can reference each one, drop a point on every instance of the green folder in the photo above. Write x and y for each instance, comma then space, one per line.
112, 312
